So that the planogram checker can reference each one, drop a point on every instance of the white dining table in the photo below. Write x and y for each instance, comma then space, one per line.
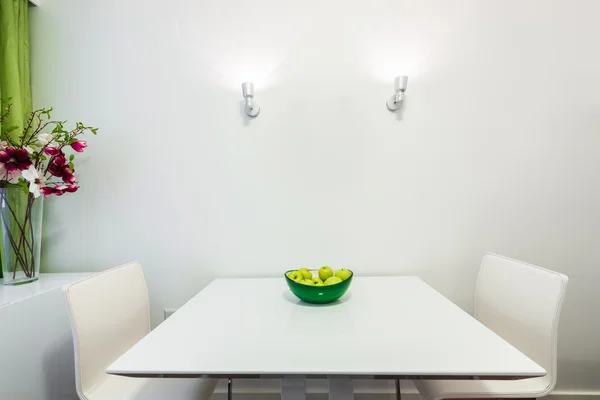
382, 328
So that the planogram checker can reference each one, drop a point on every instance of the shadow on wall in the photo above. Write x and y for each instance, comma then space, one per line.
59, 374
576, 373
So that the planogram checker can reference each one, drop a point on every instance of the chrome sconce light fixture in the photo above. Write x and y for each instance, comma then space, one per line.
251, 108
395, 101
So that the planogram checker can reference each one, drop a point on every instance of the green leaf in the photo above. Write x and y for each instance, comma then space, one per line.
57, 128
73, 140
24, 186
71, 157
71, 166
94, 130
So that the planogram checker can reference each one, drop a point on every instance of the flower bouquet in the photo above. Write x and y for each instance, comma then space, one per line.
33, 162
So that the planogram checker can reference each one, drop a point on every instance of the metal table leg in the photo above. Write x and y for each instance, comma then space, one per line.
398, 394
229, 389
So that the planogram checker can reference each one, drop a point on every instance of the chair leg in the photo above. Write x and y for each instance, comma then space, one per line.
398, 394
229, 389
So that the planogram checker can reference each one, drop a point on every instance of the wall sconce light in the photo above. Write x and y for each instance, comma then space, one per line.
251, 108
394, 102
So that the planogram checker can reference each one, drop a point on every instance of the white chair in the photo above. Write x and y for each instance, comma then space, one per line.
109, 314
521, 303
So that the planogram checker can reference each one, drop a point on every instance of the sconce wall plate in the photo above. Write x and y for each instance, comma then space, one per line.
395, 101
252, 109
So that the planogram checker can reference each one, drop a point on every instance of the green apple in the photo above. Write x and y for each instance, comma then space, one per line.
325, 272
306, 274
343, 274
295, 276
332, 281
317, 281
308, 282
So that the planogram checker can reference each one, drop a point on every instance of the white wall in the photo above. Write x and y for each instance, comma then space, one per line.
497, 148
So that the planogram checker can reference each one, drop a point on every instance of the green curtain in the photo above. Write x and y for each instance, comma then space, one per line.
14, 63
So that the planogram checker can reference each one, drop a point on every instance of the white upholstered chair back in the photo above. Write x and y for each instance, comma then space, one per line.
522, 303
109, 314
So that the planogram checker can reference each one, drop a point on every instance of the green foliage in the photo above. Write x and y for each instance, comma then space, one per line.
23, 185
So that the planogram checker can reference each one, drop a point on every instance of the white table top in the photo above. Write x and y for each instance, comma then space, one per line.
45, 282
383, 327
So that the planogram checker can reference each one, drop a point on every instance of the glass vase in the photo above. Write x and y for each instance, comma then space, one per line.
20, 247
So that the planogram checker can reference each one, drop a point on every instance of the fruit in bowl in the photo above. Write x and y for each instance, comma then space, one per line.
306, 274
325, 273
332, 281
343, 274
322, 286
296, 276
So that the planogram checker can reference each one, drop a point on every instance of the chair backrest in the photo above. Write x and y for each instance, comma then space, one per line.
109, 314
522, 303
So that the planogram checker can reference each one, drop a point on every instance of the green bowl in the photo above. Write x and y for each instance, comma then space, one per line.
318, 294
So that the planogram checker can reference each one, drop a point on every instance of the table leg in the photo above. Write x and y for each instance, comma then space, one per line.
398, 393
341, 389
293, 389
229, 389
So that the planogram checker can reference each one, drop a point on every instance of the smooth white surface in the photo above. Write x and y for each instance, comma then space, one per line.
490, 152
109, 313
522, 304
256, 326
36, 359
45, 283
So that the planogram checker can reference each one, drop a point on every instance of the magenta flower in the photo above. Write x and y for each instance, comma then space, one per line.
79, 145
68, 176
53, 151
14, 159
57, 166
60, 160
47, 190
58, 190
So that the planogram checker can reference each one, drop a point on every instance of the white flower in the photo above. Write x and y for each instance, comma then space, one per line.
35, 178
43, 139
29, 149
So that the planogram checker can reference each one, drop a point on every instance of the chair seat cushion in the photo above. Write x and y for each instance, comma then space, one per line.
463, 389
124, 388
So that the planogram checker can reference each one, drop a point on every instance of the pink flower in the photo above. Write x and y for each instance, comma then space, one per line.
79, 145
57, 166
68, 176
14, 159
60, 160
53, 151
10, 176
58, 190
47, 190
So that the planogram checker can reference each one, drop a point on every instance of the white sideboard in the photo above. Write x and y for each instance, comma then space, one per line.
36, 355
